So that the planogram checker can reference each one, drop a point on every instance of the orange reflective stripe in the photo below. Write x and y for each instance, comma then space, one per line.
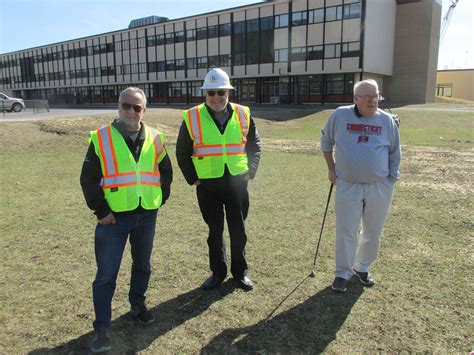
101, 148
159, 148
114, 157
191, 125
242, 121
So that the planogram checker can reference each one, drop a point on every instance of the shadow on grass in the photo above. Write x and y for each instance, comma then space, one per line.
306, 328
129, 337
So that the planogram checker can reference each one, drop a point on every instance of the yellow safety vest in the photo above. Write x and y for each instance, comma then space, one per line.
213, 150
127, 183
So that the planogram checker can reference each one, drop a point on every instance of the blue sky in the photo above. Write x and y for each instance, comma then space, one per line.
30, 23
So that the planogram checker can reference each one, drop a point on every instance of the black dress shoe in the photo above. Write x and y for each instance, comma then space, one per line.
245, 283
212, 282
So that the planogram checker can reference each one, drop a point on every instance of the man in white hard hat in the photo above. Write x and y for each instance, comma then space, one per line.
218, 151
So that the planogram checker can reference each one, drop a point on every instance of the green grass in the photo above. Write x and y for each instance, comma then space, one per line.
421, 302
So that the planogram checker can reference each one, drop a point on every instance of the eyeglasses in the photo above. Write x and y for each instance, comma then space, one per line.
126, 107
220, 92
369, 97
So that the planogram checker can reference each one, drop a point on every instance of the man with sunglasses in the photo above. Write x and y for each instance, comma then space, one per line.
126, 177
366, 142
218, 151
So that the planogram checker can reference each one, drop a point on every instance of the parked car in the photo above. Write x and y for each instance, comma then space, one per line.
8, 103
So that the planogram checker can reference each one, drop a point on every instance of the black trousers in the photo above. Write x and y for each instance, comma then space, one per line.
215, 195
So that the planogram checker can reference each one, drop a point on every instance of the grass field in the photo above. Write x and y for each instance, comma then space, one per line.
421, 302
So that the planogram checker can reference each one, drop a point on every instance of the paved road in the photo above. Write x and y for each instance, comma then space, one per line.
53, 114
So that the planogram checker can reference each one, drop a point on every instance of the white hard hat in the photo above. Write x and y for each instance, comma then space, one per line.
216, 79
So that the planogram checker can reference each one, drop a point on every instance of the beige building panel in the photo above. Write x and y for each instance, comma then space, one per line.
201, 48
160, 55
252, 14
90, 61
179, 26
169, 28
350, 64
338, 2
281, 9
315, 34
239, 16
315, 66
331, 65
169, 51
224, 45
298, 5
316, 4
266, 11
83, 62
281, 68
191, 49
191, 73
151, 56
201, 73
281, 38
110, 58
125, 58
213, 44
141, 55
213, 20
190, 24
298, 36
103, 58
239, 71
333, 32
351, 31
140, 33
298, 68
160, 30
201, 22
161, 76
153, 77
461, 81
170, 75
252, 69
180, 74
133, 57
118, 60
266, 69
224, 18
179, 49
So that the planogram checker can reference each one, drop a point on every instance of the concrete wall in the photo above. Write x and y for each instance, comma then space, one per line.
461, 81
379, 36
416, 52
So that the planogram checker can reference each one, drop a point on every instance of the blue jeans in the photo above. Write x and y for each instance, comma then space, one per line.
110, 240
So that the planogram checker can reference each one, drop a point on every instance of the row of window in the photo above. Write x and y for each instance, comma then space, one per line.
327, 51
333, 13
328, 14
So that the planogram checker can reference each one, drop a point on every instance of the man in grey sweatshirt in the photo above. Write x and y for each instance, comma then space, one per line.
366, 144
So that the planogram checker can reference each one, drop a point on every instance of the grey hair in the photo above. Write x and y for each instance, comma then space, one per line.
367, 82
133, 89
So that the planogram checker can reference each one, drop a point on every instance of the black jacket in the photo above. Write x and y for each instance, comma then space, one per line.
184, 149
91, 173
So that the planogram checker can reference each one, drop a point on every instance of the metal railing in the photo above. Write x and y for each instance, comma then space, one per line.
32, 106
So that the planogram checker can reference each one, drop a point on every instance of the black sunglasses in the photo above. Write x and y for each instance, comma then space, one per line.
212, 92
126, 107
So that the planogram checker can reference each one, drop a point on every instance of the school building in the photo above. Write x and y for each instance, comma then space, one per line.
289, 52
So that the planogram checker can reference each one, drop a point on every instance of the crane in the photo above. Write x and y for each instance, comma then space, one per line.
447, 19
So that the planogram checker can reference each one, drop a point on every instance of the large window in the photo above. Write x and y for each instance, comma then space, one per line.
299, 18
298, 54
169, 38
180, 64
315, 52
333, 13
332, 51
224, 29
351, 11
179, 36
281, 21
350, 49
281, 55
191, 35
316, 16
201, 33
192, 63
202, 62
212, 31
